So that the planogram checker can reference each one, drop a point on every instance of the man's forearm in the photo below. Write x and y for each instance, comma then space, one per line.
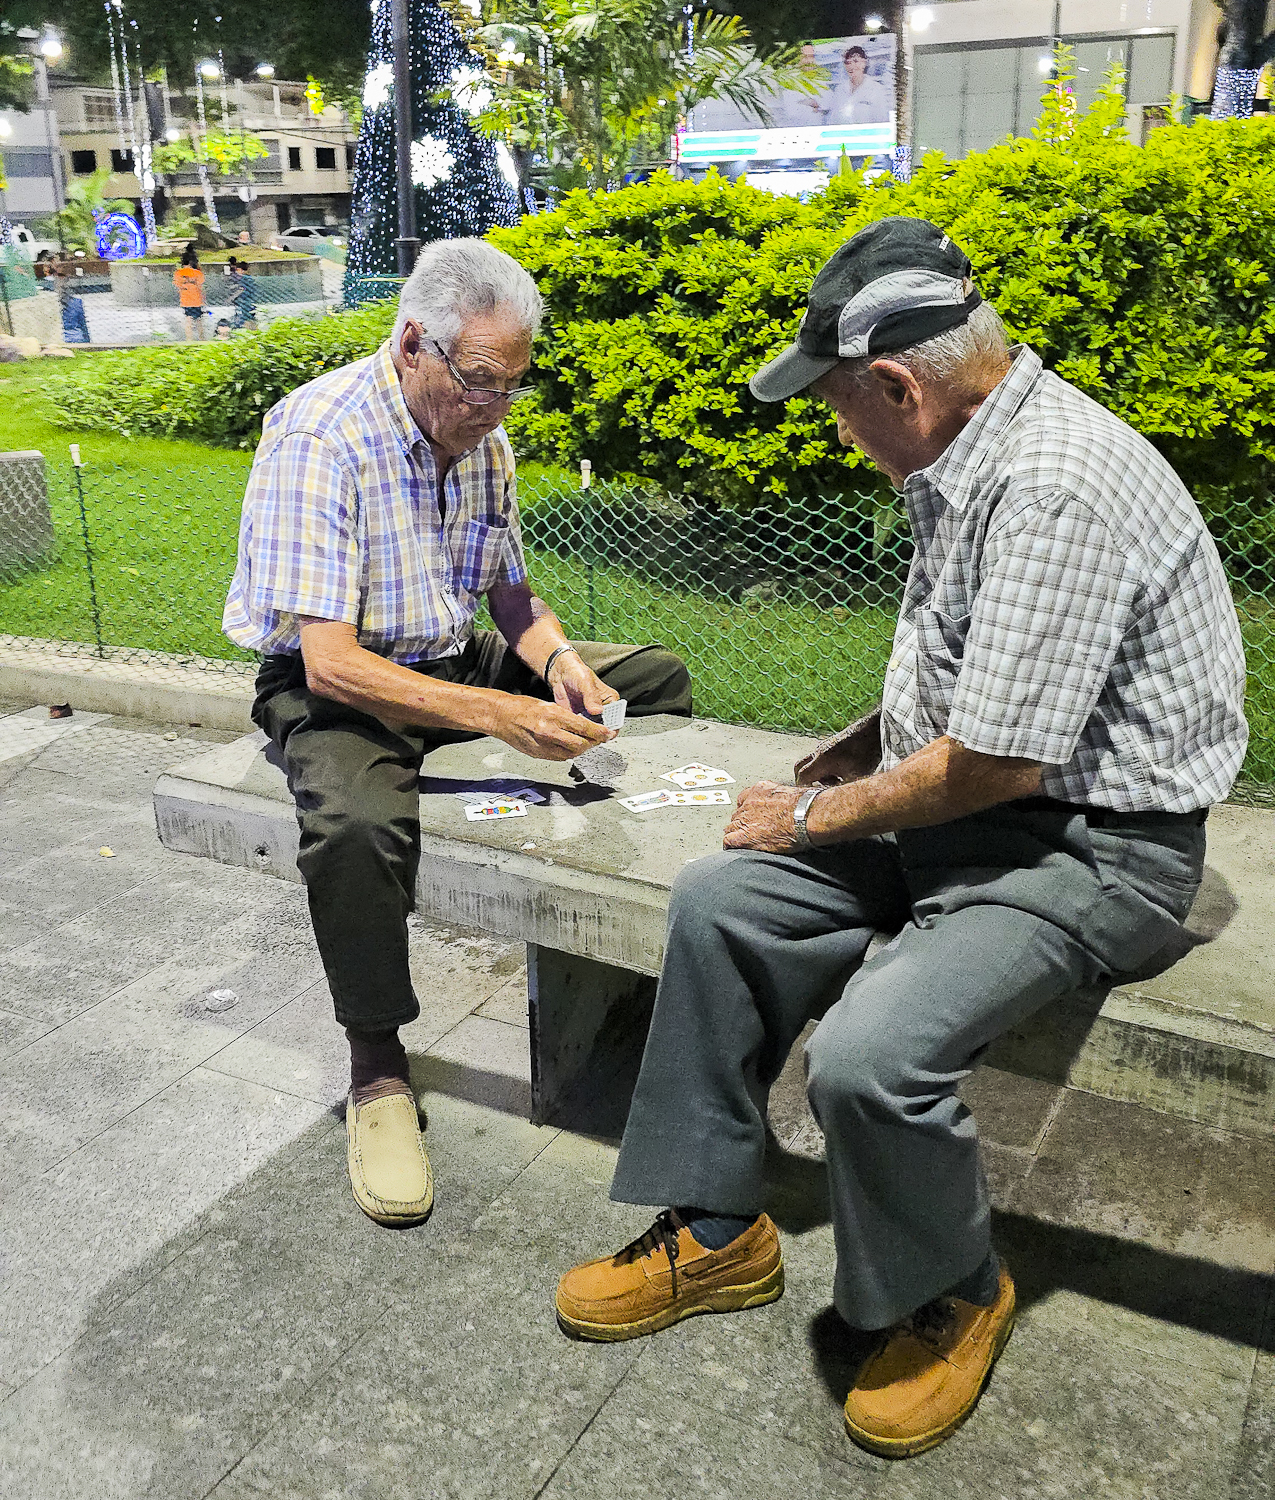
348, 673
530, 627
941, 782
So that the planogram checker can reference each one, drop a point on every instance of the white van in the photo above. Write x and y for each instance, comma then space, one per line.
27, 242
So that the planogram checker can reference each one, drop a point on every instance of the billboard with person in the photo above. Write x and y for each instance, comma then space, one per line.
851, 109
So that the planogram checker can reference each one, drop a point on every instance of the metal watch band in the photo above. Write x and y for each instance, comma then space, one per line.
553, 656
801, 812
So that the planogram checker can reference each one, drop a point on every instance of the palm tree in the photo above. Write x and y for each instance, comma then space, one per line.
1243, 54
585, 96
85, 199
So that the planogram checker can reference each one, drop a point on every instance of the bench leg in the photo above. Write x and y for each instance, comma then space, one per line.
586, 1019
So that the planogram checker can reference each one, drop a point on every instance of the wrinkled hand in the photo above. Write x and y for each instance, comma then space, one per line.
577, 687
763, 819
546, 730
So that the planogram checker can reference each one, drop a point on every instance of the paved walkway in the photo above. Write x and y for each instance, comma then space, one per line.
191, 1305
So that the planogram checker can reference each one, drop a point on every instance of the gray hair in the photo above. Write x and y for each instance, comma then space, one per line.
975, 349
455, 280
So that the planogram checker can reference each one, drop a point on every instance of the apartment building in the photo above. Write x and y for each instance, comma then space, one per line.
304, 179
978, 66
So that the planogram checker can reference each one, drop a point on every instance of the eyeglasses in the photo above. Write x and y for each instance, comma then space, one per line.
473, 395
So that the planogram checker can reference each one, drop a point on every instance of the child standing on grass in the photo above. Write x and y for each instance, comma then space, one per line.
189, 281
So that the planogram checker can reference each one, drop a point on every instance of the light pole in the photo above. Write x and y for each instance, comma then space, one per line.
407, 243
49, 50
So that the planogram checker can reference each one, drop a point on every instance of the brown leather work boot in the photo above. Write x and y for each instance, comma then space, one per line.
667, 1275
928, 1376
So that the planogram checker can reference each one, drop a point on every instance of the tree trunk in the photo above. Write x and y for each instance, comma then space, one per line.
902, 101
1240, 59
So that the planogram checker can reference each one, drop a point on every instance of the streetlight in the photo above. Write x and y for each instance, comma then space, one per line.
873, 23
209, 69
50, 45
172, 134
921, 19
6, 130
265, 70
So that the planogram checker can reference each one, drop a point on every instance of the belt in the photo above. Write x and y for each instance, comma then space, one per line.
1111, 817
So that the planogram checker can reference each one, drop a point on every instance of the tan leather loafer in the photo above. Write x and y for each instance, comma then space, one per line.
929, 1374
667, 1275
389, 1171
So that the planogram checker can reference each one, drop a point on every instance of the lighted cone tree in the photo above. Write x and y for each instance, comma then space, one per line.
457, 178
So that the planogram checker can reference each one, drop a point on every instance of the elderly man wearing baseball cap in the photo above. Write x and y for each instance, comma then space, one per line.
1025, 811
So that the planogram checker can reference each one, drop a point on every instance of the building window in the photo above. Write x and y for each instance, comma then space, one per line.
121, 161
99, 111
969, 97
350, 151
294, 158
83, 163
325, 158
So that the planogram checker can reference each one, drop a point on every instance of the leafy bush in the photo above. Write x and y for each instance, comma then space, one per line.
1139, 273
216, 391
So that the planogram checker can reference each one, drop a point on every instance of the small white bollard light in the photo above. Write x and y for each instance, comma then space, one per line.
586, 473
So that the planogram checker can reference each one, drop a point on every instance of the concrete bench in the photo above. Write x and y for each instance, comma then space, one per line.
585, 884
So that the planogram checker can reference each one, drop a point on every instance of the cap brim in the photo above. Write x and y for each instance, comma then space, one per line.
788, 373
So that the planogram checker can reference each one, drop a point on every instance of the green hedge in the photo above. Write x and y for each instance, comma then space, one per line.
1140, 273
217, 392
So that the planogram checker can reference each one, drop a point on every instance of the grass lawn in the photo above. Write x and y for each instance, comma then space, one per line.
163, 516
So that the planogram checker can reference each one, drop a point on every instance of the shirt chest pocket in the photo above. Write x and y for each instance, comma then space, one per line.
940, 651
478, 552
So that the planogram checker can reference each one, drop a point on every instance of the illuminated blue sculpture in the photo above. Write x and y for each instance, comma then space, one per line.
119, 236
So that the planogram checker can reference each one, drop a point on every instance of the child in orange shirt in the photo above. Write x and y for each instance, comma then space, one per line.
189, 281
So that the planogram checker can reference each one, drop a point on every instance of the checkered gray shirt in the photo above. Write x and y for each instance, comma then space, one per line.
1066, 604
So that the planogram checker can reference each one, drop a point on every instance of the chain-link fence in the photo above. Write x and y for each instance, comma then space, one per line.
784, 614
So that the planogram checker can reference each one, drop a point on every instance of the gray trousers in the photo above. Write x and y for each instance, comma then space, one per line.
997, 915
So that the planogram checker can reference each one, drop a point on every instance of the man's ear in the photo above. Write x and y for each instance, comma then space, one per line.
409, 344
898, 384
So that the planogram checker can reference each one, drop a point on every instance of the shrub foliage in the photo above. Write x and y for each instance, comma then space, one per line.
1142, 274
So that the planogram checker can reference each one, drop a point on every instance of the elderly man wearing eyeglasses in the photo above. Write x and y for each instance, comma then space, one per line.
380, 513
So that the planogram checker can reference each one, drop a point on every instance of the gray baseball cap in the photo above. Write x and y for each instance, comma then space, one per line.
894, 284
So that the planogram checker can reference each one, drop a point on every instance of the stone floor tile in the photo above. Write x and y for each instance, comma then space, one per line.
468, 1388
162, 1395
111, 1205
1127, 1171
1010, 1110
646, 1443
17, 1032
1253, 1475
509, 1003
1068, 1414
1150, 1300
487, 1062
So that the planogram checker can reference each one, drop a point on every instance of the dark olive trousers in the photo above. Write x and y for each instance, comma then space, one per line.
355, 782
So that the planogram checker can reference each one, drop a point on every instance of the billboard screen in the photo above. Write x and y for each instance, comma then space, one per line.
853, 109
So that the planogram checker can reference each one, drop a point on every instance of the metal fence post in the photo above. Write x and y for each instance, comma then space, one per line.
4, 292
586, 480
88, 550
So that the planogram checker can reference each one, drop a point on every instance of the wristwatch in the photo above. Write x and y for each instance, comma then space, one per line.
801, 812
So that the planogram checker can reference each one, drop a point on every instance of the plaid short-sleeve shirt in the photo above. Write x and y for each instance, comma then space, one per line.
1066, 604
342, 521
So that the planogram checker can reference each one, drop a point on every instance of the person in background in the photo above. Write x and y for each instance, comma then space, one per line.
189, 281
243, 295
244, 237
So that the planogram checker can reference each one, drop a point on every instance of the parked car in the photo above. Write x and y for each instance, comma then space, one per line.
307, 238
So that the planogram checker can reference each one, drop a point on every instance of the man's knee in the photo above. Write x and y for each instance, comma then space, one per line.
350, 837
663, 685
711, 891
856, 1066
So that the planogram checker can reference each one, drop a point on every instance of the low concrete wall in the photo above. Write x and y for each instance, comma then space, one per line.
37, 317
296, 278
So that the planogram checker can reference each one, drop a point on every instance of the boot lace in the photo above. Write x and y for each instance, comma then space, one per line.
933, 1323
663, 1233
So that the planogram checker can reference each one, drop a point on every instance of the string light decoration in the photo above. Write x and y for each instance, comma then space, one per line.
459, 185
118, 236
1234, 90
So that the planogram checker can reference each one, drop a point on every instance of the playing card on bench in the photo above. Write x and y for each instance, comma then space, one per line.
699, 799
695, 775
645, 801
502, 809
